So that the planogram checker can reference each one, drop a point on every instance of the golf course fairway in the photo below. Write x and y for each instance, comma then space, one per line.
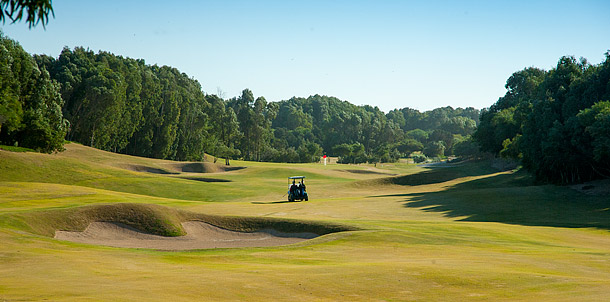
394, 232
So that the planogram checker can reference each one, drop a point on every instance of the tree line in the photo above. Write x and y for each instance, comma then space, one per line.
556, 122
30, 102
125, 105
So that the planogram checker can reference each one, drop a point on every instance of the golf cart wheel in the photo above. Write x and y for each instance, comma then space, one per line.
306, 198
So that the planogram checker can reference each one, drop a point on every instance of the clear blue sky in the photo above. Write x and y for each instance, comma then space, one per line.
391, 54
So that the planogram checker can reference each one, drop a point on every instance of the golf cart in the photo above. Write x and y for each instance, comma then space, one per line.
296, 188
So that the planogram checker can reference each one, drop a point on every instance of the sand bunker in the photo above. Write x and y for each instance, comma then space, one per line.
200, 235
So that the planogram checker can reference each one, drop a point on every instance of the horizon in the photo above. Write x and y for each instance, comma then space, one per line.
391, 54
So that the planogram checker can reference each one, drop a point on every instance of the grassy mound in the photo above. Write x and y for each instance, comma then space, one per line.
147, 218
157, 220
140, 168
202, 167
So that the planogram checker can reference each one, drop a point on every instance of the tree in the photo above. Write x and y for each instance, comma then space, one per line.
11, 111
466, 148
459, 125
351, 153
505, 119
30, 104
342, 150
36, 11
408, 146
227, 153
261, 132
44, 126
309, 152
418, 134
546, 144
434, 149
443, 136
555, 122
595, 121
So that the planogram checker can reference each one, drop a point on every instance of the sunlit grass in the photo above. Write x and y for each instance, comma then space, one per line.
462, 233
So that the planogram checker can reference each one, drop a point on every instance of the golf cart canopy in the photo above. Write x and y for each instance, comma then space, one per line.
296, 177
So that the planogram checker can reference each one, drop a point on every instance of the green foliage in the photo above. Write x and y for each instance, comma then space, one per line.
419, 158
351, 153
459, 125
30, 103
466, 148
418, 135
554, 121
37, 11
123, 105
337, 126
434, 149
596, 123
457, 121
504, 119
442, 136
408, 146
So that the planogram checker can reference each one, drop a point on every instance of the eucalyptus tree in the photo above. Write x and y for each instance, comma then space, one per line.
30, 102
34, 11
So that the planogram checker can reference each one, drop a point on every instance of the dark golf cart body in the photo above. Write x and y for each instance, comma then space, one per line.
298, 190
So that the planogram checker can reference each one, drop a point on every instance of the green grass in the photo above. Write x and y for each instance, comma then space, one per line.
463, 233
16, 149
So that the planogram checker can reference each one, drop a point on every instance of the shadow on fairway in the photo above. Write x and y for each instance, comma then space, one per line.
206, 179
139, 168
435, 175
272, 202
515, 199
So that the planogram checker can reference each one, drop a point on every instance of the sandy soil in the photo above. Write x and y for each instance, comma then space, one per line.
200, 235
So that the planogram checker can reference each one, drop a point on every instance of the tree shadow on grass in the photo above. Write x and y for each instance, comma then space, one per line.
515, 199
272, 202
434, 175
206, 179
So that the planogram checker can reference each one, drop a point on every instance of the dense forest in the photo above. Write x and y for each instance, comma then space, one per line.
556, 122
124, 105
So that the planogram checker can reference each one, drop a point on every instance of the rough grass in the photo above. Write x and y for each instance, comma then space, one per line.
463, 233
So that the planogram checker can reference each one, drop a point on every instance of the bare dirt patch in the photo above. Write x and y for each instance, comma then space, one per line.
200, 235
